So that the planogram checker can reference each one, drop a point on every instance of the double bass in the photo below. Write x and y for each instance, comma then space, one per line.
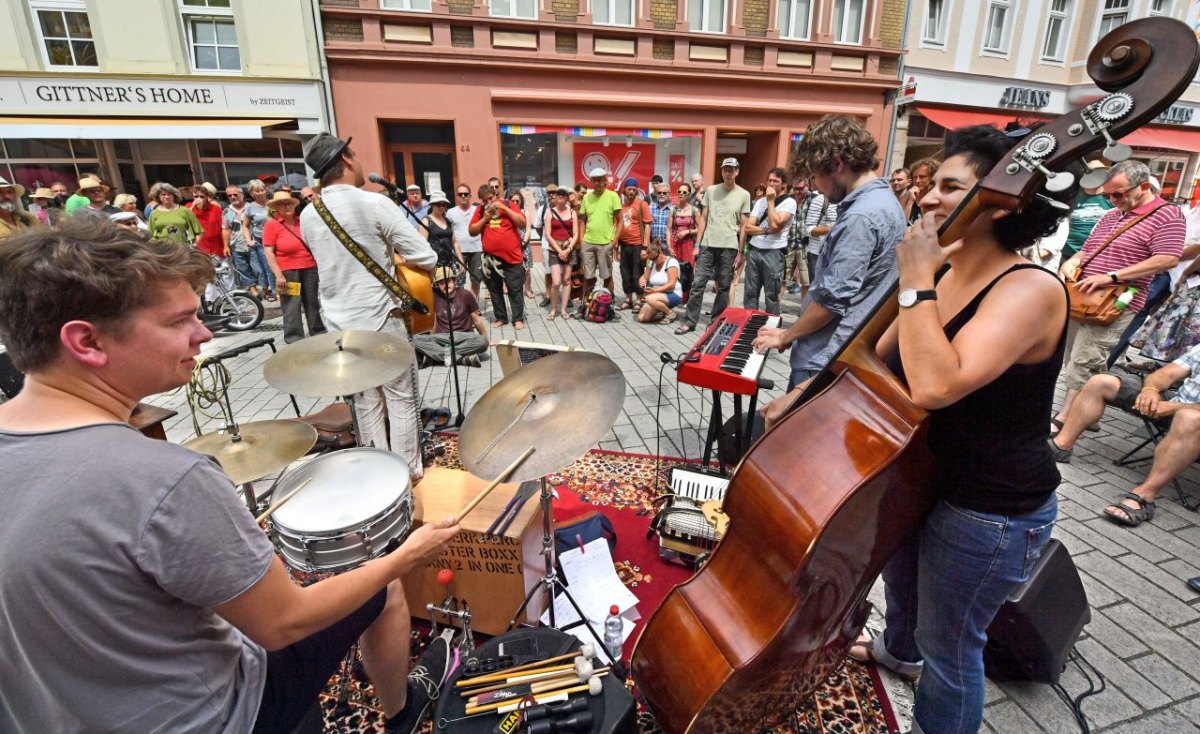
812, 523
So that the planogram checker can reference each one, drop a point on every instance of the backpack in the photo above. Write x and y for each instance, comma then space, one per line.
599, 306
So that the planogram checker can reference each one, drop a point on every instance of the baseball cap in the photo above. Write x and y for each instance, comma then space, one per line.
598, 173
412, 187
631, 181
731, 162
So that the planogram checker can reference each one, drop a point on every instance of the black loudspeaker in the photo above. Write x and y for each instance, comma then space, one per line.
1033, 633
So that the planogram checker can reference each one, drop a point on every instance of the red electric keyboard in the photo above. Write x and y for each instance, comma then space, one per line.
724, 358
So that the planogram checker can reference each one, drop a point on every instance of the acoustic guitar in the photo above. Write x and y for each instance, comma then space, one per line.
812, 523
418, 284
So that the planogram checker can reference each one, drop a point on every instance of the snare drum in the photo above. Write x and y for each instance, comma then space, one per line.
358, 506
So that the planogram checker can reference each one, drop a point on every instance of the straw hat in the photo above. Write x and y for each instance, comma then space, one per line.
42, 193
283, 196
443, 273
4, 184
90, 182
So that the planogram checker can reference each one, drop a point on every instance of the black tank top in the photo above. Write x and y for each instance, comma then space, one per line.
990, 448
440, 240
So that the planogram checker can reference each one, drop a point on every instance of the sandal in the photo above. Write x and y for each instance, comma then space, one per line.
685, 329
671, 317
552, 316
625, 306
1055, 426
566, 315
867, 656
1128, 516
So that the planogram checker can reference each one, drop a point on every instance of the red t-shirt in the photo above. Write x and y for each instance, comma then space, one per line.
633, 217
500, 237
211, 219
290, 251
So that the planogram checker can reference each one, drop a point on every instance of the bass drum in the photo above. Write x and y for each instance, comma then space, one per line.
357, 505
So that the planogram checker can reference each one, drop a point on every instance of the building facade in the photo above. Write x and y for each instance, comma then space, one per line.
999, 61
141, 91
541, 91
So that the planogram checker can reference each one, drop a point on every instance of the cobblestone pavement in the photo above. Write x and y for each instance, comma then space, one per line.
1145, 630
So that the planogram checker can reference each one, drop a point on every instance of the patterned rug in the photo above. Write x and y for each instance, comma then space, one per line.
622, 487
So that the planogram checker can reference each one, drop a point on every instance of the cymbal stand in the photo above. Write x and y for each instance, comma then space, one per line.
550, 581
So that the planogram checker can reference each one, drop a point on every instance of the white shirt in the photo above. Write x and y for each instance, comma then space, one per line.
777, 240
658, 278
460, 220
352, 298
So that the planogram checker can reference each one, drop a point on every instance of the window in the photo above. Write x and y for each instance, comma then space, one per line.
423, 6
66, 33
995, 30
707, 16
212, 37
238, 161
933, 32
612, 12
1160, 7
847, 21
514, 9
1115, 13
795, 19
1058, 27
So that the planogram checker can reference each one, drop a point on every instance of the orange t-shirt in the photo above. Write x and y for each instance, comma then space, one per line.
633, 217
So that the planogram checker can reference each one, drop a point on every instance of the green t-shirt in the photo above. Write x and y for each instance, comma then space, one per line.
1088, 210
75, 201
179, 224
599, 211
725, 210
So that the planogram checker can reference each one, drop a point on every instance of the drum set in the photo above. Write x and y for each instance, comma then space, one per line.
333, 512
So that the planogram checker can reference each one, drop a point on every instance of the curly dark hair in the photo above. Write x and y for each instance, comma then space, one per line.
84, 270
983, 146
839, 136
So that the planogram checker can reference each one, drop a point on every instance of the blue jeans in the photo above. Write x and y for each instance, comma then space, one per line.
961, 567
258, 261
246, 269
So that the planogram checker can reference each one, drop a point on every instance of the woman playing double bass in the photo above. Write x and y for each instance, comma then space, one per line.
980, 348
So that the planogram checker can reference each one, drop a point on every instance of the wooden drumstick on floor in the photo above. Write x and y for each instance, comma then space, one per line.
495, 483
276, 505
587, 652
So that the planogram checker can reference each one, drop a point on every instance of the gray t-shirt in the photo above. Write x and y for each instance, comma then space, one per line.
725, 211
113, 550
460, 220
258, 220
856, 268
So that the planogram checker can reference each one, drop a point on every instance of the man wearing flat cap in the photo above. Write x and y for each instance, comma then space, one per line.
12, 219
354, 299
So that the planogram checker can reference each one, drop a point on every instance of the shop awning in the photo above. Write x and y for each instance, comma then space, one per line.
1143, 137
135, 128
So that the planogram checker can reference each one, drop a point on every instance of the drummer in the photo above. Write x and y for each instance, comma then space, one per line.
137, 592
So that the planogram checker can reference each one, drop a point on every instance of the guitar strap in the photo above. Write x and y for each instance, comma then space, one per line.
407, 302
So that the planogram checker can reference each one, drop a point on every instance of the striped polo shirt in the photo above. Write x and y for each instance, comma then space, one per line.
1161, 233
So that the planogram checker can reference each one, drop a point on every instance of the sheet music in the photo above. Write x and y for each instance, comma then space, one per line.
594, 584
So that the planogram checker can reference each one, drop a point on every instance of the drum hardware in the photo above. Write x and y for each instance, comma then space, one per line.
251, 451
593, 686
452, 608
358, 506
475, 666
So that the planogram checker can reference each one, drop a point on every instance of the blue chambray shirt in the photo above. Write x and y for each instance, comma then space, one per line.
1189, 391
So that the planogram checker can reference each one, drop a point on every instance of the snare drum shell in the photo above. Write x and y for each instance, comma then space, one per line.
357, 503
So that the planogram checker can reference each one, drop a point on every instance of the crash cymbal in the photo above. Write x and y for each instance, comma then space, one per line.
261, 448
338, 363
561, 405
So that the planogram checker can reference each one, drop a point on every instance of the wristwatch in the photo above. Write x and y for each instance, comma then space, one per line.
910, 296
1113, 277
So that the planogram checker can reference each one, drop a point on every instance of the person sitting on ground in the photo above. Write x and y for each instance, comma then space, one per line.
660, 286
186, 619
1150, 398
470, 331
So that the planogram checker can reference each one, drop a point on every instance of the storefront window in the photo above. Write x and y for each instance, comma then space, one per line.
35, 163
534, 156
240, 161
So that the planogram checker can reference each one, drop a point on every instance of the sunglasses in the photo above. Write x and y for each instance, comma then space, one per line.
1118, 195
464, 194
684, 192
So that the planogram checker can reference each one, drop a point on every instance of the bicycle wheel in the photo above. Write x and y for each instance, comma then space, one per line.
245, 312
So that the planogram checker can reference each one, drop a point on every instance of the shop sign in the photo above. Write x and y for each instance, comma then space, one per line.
907, 93
100, 96
1176, 115
1025, 98
676, 175
622, 161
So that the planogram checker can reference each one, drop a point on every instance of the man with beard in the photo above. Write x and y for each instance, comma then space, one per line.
12, 219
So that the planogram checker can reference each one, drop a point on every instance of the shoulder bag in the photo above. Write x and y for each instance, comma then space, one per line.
1099, 306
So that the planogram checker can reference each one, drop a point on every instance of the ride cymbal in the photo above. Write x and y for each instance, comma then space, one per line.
260, 448
561, 405
338, 363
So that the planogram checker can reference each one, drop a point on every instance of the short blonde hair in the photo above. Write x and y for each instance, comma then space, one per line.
123, 199
256, 185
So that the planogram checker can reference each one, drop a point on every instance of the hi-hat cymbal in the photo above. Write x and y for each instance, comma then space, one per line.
561, 405
338, 363
261, 448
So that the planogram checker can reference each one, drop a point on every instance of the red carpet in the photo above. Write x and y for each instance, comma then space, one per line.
622, 486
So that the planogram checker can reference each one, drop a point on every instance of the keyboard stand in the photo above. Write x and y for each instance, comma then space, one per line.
743, 428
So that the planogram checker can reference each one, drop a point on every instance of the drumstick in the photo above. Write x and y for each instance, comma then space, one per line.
276, 505
495, 483
593, 686
588, 651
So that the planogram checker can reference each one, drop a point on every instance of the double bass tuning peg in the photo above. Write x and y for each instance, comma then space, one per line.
1054, 203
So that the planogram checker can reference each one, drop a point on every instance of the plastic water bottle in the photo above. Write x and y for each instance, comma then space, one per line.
1125, 299
613, 629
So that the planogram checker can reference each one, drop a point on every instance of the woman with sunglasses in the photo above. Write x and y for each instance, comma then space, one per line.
522, 201
562, 229
681, 237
